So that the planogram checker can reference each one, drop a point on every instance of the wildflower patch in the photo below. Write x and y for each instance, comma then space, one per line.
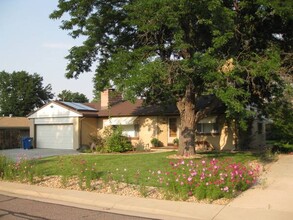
207, 179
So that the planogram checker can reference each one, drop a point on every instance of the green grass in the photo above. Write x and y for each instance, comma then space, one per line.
242, 157
132, 168
116, 165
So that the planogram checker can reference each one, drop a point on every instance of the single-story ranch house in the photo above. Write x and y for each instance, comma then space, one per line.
67, 125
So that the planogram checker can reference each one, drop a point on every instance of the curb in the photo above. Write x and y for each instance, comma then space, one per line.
149, 208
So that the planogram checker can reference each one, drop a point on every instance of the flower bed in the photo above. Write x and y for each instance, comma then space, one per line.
207, 179
193, 180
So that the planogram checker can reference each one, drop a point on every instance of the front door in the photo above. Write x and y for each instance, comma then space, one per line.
172, 130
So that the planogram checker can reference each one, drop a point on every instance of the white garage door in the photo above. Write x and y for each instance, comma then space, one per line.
55, 136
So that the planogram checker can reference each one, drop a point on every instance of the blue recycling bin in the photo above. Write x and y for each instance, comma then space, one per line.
27, 143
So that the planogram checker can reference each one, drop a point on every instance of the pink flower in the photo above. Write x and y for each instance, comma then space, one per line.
189, 179
226, 189
193, 173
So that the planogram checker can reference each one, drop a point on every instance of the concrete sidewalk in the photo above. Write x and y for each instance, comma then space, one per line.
271, 200
268, 202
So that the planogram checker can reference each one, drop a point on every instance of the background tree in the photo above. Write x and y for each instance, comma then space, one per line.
181, 51
280, 110
68, 96
21, 93
281, 115
97, 96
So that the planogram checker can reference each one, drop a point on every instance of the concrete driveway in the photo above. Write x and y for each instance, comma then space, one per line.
16, 154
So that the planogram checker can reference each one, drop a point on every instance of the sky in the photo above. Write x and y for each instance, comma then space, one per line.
31, 41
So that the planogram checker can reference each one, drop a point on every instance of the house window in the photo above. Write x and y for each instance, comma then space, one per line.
130, 130
172, 127
207, 128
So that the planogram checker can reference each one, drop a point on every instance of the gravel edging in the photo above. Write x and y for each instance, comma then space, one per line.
117, 188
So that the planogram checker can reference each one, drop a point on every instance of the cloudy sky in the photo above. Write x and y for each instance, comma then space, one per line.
30, 41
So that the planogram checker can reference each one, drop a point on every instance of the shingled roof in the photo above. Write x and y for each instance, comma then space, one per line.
127, 108
138, 108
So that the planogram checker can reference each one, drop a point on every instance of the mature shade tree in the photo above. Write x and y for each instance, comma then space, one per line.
21, 93
68, 96
179, 51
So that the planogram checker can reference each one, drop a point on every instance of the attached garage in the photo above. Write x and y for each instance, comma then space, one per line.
60, 125
54, 136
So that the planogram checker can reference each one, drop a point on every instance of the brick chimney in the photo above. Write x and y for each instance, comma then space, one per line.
110, 97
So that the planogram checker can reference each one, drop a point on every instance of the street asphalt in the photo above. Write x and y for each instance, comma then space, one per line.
24, 209
271, 200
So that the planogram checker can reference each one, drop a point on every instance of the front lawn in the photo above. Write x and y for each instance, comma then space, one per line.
212, 176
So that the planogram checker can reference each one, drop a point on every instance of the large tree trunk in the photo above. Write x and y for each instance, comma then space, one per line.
189, 116
188, 119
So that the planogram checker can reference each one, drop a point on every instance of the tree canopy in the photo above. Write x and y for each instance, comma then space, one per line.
21, 93
68, 96
182, 50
